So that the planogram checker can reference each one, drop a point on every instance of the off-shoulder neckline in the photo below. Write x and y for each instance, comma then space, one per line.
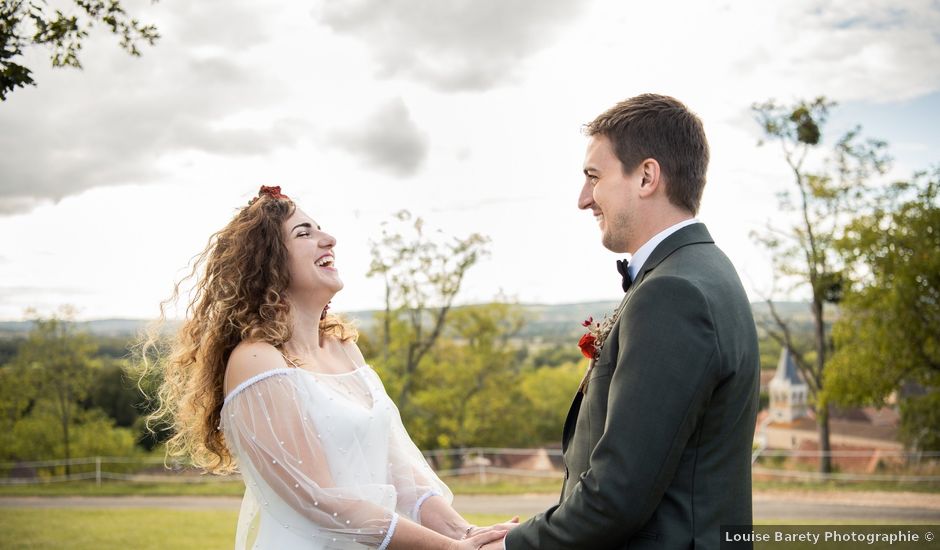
286, 370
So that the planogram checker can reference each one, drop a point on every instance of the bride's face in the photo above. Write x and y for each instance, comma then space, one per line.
311, 263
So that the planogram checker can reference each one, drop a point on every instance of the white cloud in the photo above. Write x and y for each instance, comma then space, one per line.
388, 139
453, 45
149, 156
115, 121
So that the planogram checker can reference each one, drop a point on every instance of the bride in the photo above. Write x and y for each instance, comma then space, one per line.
261, 378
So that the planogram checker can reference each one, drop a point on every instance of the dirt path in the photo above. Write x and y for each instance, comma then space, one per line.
768, 505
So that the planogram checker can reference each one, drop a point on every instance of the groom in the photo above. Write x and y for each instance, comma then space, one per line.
657, 446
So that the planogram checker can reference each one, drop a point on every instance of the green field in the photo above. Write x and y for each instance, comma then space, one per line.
126, 528
104, 529
145, 528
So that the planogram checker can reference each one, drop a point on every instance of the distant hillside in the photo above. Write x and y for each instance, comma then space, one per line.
98, 327
544, 321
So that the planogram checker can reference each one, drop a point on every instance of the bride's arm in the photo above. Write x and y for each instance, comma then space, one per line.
281, 453
422, 496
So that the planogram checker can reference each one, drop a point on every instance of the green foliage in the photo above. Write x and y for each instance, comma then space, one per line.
38, 436
27, 23
548, 392
47, 393
422, 273
466, 394
474, 391
555, 355
96, 435
113, 392
8, 348
920, 417
145, 387
796, 124
58, 364
889, 331
805, 253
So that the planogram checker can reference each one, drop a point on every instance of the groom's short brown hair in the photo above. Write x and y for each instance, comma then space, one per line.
659, 127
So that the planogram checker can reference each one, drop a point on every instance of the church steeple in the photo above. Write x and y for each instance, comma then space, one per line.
788, 391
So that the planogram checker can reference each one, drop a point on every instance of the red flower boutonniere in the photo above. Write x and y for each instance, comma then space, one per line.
588, 345
593, 340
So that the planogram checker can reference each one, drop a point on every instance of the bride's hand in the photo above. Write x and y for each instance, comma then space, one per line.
506, 526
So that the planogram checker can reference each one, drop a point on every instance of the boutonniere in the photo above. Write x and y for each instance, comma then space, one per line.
593, 340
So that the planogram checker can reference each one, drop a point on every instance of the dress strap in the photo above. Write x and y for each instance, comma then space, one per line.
297, 365
290, 361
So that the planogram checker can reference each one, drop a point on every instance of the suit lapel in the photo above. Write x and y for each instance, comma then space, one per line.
691, 234
571, 420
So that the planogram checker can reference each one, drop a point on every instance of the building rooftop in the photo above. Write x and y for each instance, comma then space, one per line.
786, 369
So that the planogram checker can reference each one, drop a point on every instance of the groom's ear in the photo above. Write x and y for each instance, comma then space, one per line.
650, 176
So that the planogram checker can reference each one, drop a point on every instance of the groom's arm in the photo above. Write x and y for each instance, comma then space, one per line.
666, 371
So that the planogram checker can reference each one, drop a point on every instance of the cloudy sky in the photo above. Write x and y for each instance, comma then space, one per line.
465, 112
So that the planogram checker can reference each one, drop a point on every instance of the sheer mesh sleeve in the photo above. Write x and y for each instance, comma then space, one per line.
411, 474
286, 471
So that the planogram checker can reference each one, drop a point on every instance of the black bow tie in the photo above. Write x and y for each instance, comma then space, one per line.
625, 273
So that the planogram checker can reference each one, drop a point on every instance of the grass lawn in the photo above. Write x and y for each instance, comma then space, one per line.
147, 529
126, 528
104, 529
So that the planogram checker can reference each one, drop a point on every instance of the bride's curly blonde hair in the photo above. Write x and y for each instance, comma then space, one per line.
238, 295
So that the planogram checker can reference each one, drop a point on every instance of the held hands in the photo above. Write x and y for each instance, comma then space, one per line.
496, 532
486, 539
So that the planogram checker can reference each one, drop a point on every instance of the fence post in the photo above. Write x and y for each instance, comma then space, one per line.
98, 471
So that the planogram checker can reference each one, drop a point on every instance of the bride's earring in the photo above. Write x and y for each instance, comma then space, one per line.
323, 315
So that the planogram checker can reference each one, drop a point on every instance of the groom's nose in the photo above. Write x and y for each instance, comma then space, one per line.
586, 199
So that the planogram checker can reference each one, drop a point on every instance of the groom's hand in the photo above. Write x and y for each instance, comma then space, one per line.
507, 526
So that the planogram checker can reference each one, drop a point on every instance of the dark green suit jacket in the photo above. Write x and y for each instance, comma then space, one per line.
658, 450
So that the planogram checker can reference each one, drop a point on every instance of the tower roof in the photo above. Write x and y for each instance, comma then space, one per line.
786, 369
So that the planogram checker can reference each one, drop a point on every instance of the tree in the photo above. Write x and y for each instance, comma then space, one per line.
112, 391
547, 393
28, 23
888, 333
16, 398
468, 393
422, 274
805, 252
58, 364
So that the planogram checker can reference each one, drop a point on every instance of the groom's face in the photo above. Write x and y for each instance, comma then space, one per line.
610, 194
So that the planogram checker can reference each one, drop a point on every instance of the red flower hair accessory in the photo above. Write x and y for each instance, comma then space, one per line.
273, 192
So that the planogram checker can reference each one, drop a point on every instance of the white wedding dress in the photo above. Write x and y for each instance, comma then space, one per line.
326, 461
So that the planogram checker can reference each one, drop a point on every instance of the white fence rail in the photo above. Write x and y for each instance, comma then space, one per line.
481, 463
